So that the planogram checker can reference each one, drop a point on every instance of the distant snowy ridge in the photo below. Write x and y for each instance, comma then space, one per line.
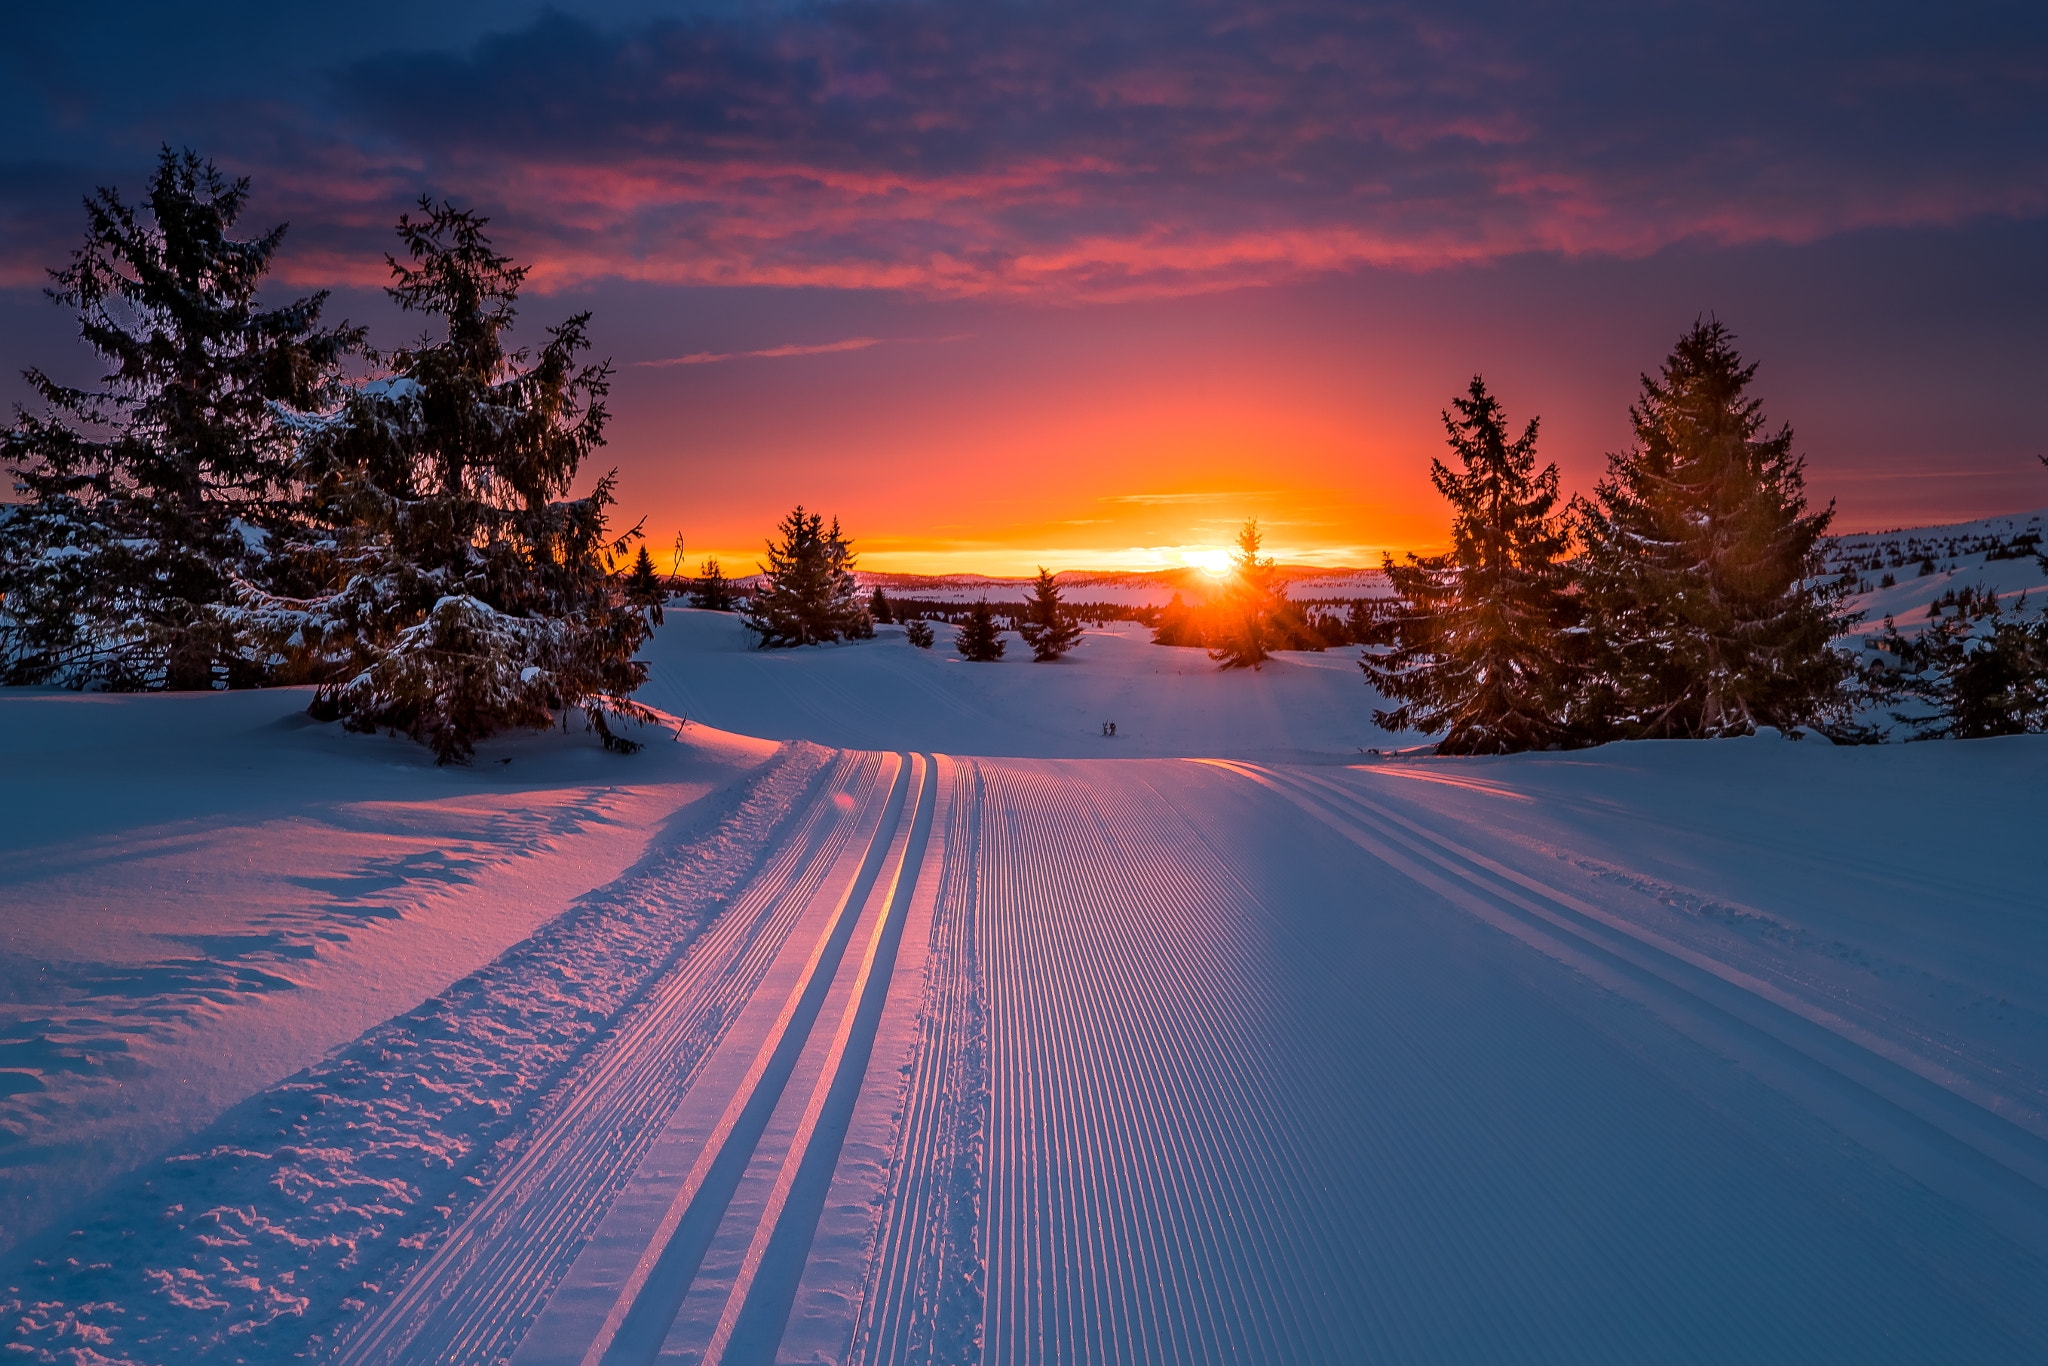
1123, 588
1999, 554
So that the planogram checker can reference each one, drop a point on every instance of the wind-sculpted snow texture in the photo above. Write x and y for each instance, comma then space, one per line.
939, 1060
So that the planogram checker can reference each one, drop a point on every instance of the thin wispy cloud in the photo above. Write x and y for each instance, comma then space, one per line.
766, 353
1186, 499
795, 349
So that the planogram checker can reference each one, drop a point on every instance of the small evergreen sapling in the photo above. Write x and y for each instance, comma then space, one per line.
1179, 625
1047, 628
644, 587
918, 633
979, 639
1251, 621
808, 595
714, 591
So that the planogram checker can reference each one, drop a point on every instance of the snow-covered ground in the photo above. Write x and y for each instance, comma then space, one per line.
206, 893
939, 1038
1995, 555
1302, 707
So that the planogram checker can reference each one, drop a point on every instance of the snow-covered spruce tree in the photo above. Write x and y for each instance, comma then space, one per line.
808, 595
918, 633
979, 639
713, 593
1707, 612
145, 499
1474, 644
462, 591
1048, 628
1252, 620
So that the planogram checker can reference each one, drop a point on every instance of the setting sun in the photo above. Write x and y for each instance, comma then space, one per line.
1215, 561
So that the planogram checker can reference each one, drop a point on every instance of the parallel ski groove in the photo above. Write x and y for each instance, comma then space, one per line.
815, 1147
1880, 1107
905, 1300
1143, 1201
747, 1112
488, 1277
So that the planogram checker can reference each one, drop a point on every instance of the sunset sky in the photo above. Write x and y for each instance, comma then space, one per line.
1079, 284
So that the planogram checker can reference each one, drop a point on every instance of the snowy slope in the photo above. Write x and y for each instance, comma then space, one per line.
1301, 707
1653, 1052
1992, 553
206, 893
1258, 1048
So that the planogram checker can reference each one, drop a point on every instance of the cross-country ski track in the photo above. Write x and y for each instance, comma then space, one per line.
1021, 1061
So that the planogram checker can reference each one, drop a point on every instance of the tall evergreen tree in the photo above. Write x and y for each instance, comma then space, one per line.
979, 639
1047, 627
145, 499
1252, 620
1706, 607
1474, 645
714, 591
878, 607
465, 592
809, 595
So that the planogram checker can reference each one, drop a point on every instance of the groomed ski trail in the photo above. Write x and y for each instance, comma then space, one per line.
484, 1283
1262, 1087
702, 1255
1983, 1148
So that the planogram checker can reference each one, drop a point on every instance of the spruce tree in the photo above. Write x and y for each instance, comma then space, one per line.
808, 595
1474, 647
644, 588
878, 608
146, 499
714, 592
1178, 625
918, 633
1251, 621
466, 593
979, 639
1362, 619
1706, 609
1047, 628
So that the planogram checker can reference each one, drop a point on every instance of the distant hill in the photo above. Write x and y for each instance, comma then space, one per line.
1997, 553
